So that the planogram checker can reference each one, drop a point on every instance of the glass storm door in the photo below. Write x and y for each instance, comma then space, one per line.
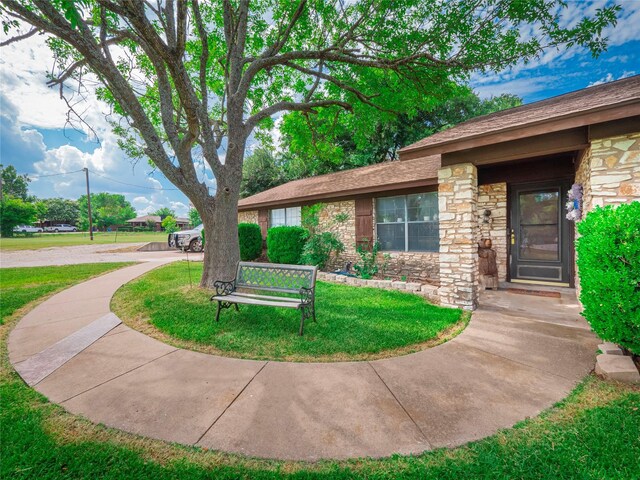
539, 236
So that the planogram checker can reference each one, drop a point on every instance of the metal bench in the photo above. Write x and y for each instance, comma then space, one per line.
253, 278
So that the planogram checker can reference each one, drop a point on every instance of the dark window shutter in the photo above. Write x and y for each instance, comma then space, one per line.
263, 221
364, 220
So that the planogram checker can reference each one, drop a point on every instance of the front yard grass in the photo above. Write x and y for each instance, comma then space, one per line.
593, 434
19, 286
49, 240
353, 323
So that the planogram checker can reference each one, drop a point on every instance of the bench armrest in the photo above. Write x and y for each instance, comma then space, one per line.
306, 295
224, 288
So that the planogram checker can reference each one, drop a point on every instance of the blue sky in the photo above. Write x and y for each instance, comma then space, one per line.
35, 137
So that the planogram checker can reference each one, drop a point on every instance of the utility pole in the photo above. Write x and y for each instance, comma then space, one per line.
86, 173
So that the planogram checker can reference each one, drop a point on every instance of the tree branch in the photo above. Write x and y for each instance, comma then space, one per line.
17, 38
295, 107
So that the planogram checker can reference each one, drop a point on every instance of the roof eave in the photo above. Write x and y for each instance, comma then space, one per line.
606, 113
339, 195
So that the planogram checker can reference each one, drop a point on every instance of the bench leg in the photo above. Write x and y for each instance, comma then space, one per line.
301, 322
313, 311
236, 305
218, 312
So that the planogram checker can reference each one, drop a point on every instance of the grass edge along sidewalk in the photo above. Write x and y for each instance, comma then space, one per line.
592, 434
51, 240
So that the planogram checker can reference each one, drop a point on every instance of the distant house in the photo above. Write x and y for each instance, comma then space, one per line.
503, 176
145, 220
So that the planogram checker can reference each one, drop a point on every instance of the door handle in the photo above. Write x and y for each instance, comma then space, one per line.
513, 237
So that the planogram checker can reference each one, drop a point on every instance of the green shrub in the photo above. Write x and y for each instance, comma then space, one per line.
609, 268
250, 238
368, 265
319, 247
285, 244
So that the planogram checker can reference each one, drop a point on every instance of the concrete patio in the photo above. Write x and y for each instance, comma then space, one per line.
519, 355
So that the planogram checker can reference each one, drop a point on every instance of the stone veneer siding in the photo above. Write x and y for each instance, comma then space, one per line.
415, 266
609, 172
249, 216
493, 197
457, 203
614, 171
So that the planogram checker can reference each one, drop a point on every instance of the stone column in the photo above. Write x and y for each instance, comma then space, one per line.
457, 203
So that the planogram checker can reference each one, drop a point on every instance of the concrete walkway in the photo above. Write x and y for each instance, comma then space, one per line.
518, 356
76, 254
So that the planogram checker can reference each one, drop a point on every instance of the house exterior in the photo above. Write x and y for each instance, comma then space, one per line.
144, 220
503, 176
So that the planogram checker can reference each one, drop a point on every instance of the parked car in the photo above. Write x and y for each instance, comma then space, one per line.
27, 229
187, 239
61, 227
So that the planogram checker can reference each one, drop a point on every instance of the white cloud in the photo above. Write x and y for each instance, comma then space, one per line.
610, 78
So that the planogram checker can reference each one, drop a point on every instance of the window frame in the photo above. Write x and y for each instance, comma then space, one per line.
287, 217
406, 222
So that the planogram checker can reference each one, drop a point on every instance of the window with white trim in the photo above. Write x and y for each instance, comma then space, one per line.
290, 216
408, 223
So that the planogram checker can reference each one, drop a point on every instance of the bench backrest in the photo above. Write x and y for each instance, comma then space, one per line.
275, 277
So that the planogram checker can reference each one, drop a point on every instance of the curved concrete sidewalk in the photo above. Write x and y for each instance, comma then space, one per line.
516, 358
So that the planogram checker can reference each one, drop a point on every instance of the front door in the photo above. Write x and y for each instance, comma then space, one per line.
539, 236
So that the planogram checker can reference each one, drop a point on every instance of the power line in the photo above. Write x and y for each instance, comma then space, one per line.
131, 184
53, 174
106, 178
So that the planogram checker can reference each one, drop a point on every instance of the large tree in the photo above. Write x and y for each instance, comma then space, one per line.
13, 184
107, 209
330, 141
192, 79
61, 210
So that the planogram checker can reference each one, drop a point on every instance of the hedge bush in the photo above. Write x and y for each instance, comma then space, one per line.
250, 238
285, 244
608, 252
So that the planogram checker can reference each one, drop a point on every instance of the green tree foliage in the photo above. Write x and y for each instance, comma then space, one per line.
285, 244
608, 258
331, 140
13, 184
261, 171
15, 211
61, 210
41, 211
107, 209
250, 239
169, 224
164, 212
194, 217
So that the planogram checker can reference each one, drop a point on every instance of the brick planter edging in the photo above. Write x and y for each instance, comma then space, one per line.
430, 292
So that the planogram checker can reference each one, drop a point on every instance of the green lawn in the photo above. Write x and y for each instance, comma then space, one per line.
47, 240
19, 286
352, 322
593, 434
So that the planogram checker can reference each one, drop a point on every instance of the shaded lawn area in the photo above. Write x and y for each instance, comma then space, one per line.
352, 322
593, 434
19, 286
48, 240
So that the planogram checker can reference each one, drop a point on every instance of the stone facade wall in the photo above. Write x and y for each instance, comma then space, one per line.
614, 170
459, 234
415, 266
346, 231
609, 172
249, 216
493, 197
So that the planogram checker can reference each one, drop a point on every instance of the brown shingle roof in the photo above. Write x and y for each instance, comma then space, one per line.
348, 183
587, 100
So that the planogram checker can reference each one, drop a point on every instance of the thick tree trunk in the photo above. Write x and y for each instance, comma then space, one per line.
220, 219
221, 249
